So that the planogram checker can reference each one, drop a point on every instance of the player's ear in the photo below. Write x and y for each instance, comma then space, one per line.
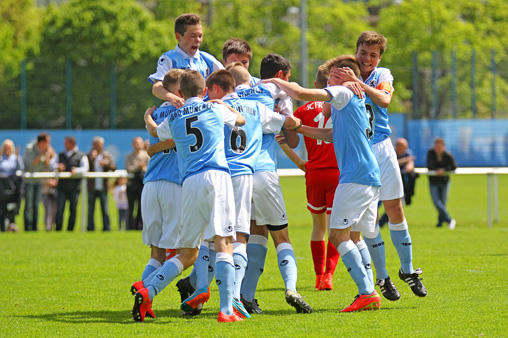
178, 37
280, 74
180, 92
315, 84
205, 91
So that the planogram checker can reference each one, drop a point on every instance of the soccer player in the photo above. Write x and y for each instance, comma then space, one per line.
268, 202
238, 50
161, 196
356, 196
186, 55
207, 193
321, 179
378, 85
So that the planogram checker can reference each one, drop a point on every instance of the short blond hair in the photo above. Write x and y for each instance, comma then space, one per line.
343, 61
239, 72
172, 78
192, 83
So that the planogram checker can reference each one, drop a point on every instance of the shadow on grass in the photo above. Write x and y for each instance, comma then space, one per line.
118, 317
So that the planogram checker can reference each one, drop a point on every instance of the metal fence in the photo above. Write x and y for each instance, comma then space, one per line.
49, 94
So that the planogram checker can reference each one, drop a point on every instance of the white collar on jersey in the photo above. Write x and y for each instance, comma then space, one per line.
242, 86
230, 96
192, 100
185, 55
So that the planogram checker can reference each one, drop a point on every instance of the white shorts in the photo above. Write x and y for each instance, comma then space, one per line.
391, 181
207, 199
160, 210
242, 187
268, 203
355, 206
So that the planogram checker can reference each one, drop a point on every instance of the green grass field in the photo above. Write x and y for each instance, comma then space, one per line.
77, 284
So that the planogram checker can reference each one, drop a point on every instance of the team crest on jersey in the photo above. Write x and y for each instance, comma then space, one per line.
372, 83
161, 61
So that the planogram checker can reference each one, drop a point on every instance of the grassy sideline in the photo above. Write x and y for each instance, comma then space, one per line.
77, 284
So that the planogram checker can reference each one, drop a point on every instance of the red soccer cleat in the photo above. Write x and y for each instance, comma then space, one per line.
170, 253
142, 306
318, 281
326, 282
200, 296
137, 286
364, 302
223, 318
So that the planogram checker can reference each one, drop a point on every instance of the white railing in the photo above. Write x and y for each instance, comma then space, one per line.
492, 185
84, 186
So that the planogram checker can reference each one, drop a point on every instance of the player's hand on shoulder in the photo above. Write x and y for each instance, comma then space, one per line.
149, 111
355, 88
178, 102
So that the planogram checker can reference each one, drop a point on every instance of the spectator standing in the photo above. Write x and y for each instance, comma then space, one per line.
99, 161
122, 204
136, 163
76, 162
441, 161
49, 191
10, 185
36, 157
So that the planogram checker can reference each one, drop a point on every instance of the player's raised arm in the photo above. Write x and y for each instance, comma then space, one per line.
317, 133
151, 126
297, 92
380, 97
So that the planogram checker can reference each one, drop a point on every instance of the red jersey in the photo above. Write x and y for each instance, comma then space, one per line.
320, 153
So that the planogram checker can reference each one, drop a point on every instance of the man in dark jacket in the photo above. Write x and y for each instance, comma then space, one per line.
441, 161
74, 161
99, 161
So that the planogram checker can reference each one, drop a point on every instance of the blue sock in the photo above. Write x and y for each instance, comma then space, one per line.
240, 259
402, 241
256, 256
201, 266
225, 279
150, 267
211, 265
353, 262
287, 265
376, 248
167, 273
364, 252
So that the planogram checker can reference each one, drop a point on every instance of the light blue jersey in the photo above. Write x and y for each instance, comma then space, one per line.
352, 138
382, 79
260, 93
162, 165
243, 144
176, 58
198, 131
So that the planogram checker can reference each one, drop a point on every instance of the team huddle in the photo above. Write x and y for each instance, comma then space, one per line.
212, 194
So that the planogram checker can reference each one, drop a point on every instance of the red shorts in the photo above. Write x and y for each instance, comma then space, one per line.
321, 185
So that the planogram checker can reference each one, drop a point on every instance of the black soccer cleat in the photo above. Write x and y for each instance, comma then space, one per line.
252, 306
388, 290
185, 288
414, 282
295, 300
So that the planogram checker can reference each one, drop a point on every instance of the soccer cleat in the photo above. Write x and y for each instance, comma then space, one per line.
364, 302
239, 309
223, 318
326, 282
185, 288
414, 282
295, 300
170, 253
452, 223
142, 306
199, 296
318, 281
136, 287
195, 312
252, 306
388, 290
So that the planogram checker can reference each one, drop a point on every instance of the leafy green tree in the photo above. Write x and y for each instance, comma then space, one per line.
444, 26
